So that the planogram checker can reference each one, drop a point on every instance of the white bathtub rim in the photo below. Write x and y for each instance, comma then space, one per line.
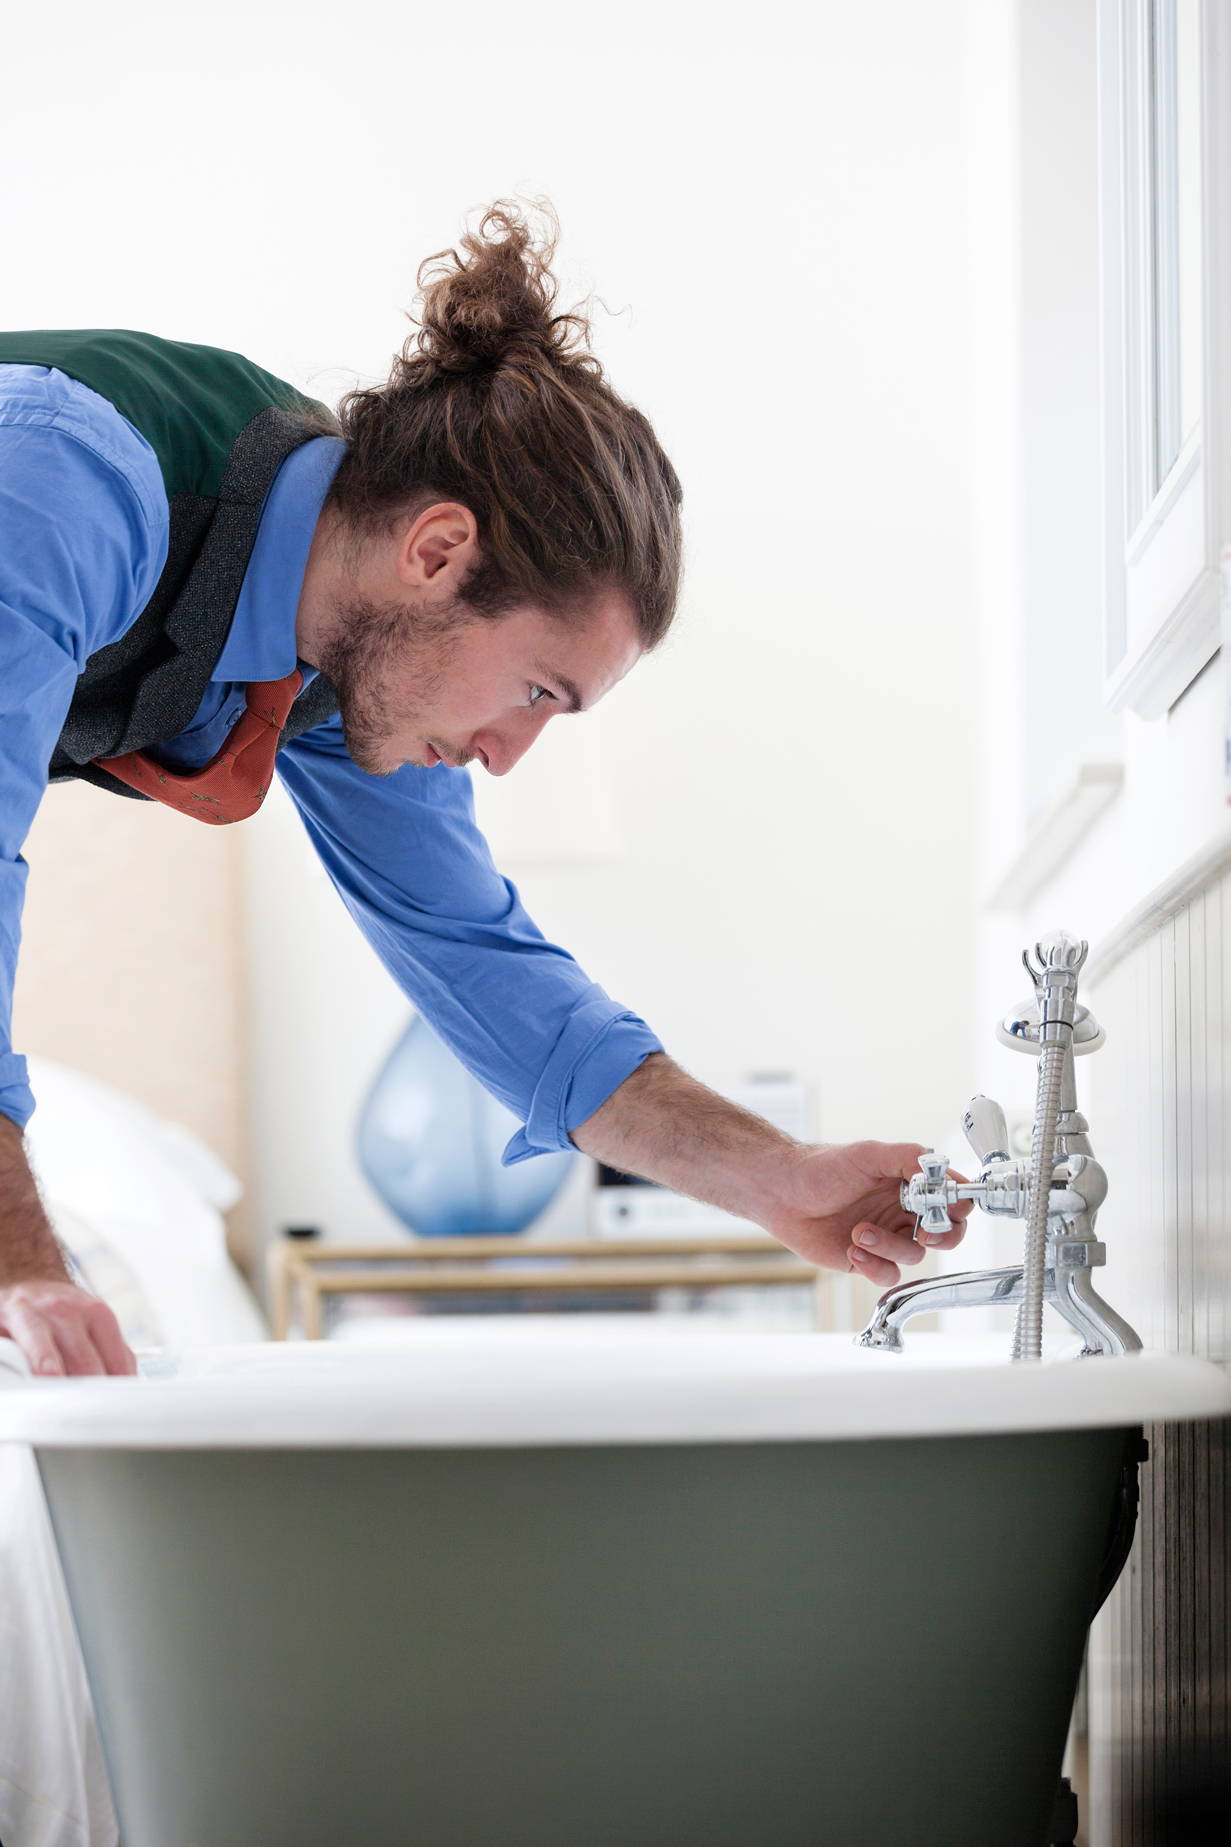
454, 1392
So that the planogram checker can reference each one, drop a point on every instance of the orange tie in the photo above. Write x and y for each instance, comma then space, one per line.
232, 785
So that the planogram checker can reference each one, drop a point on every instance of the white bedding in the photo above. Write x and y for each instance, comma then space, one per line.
138, 1203
53, 1783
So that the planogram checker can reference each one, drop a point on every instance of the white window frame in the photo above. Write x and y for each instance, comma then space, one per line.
1161, 552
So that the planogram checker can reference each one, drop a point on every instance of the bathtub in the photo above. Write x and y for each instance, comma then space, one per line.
549, 1586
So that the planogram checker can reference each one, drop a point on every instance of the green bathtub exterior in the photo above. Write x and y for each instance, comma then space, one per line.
793, 1644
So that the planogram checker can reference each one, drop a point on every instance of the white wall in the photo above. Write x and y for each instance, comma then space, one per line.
1174, 795
131, 962
1036, 452
775, 211
1038, 502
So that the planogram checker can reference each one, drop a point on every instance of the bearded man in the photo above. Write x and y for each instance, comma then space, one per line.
207, 578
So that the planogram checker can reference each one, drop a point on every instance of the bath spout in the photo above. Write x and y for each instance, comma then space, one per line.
963, 1289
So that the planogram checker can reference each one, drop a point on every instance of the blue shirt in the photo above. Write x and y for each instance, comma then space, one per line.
84, 529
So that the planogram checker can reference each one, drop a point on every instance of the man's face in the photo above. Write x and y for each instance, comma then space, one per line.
422, 682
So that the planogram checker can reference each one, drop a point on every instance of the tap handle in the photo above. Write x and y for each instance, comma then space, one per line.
986, 1130
930, 1194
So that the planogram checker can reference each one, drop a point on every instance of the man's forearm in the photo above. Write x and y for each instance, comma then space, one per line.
28, 1246
663, 1125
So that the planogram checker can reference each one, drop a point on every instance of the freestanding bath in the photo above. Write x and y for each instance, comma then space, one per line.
551, 1588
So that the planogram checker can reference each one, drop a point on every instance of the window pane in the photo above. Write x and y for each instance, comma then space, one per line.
1175, 135
1188, 168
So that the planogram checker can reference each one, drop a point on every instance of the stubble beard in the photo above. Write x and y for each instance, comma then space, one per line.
369, 643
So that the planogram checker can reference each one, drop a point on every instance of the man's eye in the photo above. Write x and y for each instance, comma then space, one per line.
539, 692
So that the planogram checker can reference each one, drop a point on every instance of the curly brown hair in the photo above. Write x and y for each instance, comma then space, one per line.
497, 403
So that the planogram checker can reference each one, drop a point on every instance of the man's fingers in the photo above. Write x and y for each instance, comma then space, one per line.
876, 1269
942, 1240
105, 1331
900, 1160
81, 1358
876, 1253
35, 1339
64, 1330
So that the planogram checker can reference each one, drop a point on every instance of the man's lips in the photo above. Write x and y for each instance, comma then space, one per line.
431, 758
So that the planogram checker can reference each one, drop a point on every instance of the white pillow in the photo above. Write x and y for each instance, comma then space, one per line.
200, 1166
85, 1132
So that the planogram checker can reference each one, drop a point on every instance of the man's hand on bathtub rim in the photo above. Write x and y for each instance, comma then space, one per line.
839, 1206
62, 1329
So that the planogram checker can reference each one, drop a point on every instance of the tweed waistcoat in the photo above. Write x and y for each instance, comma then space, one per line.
221, 427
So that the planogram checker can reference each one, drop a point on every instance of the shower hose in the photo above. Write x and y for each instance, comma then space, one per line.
1028, 1334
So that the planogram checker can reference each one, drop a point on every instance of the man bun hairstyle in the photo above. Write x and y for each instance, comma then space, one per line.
496, 402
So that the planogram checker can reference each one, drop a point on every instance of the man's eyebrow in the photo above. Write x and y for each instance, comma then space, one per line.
567, 687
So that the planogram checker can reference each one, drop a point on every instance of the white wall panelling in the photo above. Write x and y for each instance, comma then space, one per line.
1160, 1666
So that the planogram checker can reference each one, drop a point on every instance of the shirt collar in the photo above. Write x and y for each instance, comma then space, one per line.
260, 643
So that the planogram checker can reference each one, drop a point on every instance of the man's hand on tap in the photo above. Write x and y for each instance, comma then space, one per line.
841, 1207
838, 1206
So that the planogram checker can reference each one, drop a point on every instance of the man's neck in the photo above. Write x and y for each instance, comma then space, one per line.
318, 593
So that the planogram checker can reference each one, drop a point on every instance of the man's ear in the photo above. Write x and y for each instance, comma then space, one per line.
442, 536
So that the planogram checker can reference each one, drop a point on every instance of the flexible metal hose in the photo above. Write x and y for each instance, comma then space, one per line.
1028, 1334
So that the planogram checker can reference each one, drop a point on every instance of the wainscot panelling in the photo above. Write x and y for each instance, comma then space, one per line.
1160, 1651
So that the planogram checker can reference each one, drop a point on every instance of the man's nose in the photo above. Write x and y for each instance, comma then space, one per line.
505, 744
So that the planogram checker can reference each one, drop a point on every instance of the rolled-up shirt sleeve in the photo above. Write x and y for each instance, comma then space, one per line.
411, 865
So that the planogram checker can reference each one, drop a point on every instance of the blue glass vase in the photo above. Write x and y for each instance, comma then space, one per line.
429, 1141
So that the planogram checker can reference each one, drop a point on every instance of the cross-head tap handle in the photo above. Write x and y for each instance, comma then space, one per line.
930, 1194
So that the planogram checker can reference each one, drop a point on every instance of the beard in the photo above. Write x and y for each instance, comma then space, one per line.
370, 647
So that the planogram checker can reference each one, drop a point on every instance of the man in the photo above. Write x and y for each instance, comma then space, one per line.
206, 578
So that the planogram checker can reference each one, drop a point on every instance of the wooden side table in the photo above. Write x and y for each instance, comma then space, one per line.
422, 1266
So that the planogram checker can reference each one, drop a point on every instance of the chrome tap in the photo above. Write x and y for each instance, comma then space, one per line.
1055, 1028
